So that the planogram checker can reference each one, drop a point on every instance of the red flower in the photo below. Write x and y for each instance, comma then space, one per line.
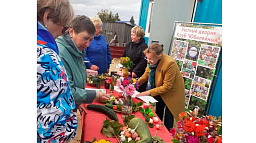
125, 82
173, 131
211, 140
189, 126
199, 130
219, 140
182, 114
110, 80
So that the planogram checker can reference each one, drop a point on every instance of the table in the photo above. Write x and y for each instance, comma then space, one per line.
91, 123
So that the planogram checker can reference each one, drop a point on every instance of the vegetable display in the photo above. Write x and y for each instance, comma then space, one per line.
142, 130
103, 109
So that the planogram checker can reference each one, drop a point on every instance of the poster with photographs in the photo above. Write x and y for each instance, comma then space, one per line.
196, 50
200, 88
189, 68
179, 50
208, 56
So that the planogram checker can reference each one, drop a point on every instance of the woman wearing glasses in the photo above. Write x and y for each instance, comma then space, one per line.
134, 50
164, 83
56, 121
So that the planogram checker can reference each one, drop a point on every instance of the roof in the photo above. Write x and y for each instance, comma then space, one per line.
127, 22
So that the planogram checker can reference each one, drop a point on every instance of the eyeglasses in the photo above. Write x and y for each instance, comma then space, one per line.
65, 28
151, 61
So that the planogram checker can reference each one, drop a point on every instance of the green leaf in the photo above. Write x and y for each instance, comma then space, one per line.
151, 125
147, 119
175, 141
106, 123
141, 110
116, 125
139, 103
94, 139
106, 132
147, 110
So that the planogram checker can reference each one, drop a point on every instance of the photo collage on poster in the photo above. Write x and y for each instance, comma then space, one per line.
179, 50
200, 88
197, 63
208, 56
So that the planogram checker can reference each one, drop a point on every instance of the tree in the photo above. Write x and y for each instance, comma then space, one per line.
106, 16
132, 21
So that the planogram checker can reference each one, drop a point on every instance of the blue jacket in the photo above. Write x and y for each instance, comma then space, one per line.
98, 54
55, 101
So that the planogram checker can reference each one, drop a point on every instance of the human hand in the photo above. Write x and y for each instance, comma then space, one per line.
94, 67
143, 93
134, 74
81, 109
103, 97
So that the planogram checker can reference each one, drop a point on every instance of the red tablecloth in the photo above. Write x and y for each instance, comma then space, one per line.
91, 124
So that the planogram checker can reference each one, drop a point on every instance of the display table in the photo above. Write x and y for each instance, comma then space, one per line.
91, 123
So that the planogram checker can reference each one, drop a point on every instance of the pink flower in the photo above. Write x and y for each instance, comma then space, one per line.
121, 87
173, 131
211, 140
129, 90
125, 82
118, 82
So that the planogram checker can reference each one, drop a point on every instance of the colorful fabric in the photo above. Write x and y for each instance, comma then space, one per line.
56, 121
98, 54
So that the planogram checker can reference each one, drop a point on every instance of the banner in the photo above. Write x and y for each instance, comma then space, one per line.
196, 49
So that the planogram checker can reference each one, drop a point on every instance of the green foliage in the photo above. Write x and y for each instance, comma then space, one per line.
157, 139
127, 119
111, 128
132, 21
135, 106
108, 16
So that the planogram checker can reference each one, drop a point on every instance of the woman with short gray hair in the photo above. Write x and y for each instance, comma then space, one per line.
72, 52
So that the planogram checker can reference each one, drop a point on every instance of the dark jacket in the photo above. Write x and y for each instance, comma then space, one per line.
135, 52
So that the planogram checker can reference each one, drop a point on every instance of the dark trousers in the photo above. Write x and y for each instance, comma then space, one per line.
168, 120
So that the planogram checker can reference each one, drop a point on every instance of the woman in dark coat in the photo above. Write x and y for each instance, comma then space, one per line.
134, 50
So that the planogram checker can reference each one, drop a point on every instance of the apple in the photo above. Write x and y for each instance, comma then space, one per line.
145, 105
155, 119
150, 121
157, 126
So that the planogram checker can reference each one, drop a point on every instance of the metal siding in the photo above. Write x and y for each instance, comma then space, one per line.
143, 13
210, 11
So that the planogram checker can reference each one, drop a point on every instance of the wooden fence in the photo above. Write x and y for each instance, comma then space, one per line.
121, 30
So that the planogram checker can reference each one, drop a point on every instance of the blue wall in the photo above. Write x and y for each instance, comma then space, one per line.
143, 13
210, 11
143, 16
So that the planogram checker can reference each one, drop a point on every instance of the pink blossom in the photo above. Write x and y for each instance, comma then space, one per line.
121, 87
125, 82
173, 131
129, 90
118, 82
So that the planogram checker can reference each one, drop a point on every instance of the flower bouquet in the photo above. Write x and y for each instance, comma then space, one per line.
128, 86
127, 64
111, 82
192, 129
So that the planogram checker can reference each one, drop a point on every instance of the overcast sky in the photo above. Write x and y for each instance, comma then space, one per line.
125, 8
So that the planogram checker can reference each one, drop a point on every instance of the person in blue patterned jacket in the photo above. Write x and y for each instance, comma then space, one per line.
56, 121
